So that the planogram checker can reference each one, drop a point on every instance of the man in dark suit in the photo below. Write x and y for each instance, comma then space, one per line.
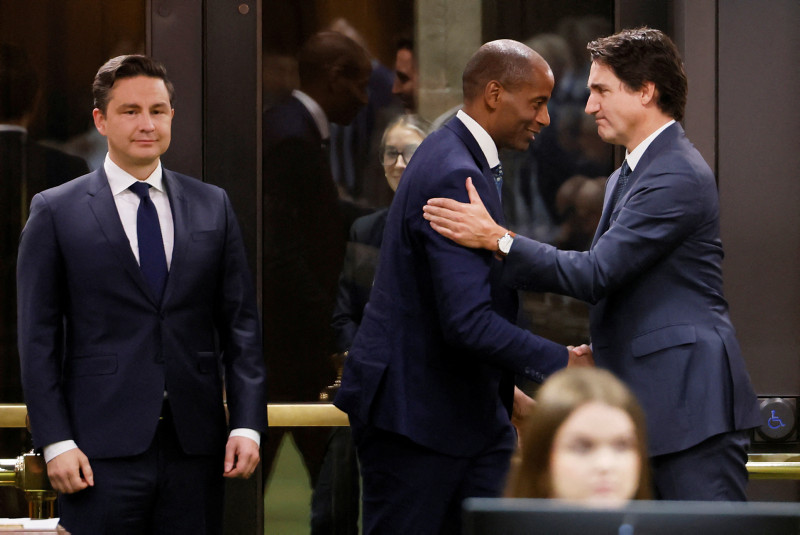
135, 304
305, 229
653, 273
429, 381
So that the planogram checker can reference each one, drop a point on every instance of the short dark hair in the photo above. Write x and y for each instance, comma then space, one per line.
504, 60
404, 43
127, 66
19, 84
646, 55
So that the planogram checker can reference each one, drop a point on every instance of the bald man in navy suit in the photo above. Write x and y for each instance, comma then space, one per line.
429, 381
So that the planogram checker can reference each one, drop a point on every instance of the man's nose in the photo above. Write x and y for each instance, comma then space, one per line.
543, 117
591, 106
146, 122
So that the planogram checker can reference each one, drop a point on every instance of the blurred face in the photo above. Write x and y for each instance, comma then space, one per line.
401, 142
405, 81
350, 95
595, 457
617, 110
137, 123
522, 111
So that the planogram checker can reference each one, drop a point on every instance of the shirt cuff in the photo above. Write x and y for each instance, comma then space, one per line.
252, 434
55, 449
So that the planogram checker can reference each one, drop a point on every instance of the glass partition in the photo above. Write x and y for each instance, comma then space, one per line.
49, 53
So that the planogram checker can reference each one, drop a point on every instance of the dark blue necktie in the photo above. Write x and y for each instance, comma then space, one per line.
152, 259
497, 172
622, 182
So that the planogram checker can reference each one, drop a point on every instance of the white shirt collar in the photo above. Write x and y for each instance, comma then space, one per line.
12, 128
119, 180
317, 113
482, 137
634, 156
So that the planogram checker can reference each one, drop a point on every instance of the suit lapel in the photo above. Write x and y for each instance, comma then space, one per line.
605, 218
102, 204
180, 217
669, 136
493, 203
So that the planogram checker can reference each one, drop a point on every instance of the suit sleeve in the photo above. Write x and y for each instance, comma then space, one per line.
657, 218
462, 284
239, 328
41, 297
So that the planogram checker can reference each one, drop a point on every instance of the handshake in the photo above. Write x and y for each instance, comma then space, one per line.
580, 356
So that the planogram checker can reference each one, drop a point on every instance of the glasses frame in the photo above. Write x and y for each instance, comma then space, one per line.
382, 156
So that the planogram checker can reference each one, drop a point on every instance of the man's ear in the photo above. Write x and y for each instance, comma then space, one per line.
491, 93
334, 77
99, 120
649, 93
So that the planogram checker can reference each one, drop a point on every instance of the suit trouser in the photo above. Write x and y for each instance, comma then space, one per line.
161, 491
714, 470
408, 488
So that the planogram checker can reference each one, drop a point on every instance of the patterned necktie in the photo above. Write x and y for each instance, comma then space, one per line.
622, 182
152, 258
497, 172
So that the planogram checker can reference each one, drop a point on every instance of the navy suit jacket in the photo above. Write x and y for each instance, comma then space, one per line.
437, 348
653, 273
97, 349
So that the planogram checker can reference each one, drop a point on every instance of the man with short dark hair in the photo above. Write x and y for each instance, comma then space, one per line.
429, 381
405, 82
653, 273
135, 304
305, 229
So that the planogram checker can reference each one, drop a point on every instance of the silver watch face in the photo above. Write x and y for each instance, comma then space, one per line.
504, 243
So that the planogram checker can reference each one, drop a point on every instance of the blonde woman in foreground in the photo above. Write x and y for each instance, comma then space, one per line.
584, 441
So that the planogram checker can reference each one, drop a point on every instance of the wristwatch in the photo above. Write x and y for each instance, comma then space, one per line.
504, 243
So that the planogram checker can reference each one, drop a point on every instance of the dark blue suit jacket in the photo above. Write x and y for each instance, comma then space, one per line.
98, 351
660, 320
437, 349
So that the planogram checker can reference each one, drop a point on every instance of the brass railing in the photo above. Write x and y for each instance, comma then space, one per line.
760, 465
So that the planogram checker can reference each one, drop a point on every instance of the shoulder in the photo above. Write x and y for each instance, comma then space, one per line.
192, 187
369, 228
287, 119
88, 183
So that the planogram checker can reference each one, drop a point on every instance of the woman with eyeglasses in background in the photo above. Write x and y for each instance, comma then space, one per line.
335, 502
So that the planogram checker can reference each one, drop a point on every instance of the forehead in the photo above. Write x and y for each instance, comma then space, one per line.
602, 74
598, 420
404, 61
538, 83
402, 134
139, 89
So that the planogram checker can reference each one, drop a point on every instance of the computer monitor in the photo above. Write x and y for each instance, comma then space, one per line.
513, 516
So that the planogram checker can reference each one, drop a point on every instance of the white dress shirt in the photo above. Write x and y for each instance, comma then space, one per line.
482, 137
317, 113
636, 154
